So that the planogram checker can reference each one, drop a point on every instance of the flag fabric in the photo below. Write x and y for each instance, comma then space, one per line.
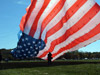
27, 47
63, 25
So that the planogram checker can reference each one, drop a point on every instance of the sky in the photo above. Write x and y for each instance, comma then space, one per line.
11, 12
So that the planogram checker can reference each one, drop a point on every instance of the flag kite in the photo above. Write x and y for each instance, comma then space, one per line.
57, 26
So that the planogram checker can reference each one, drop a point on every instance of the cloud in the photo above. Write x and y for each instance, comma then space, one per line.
23, 2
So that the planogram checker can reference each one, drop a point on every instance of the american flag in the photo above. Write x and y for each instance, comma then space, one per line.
62, 25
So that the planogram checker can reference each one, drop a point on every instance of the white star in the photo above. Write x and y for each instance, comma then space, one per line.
36, 48
12, 51
24, 44
22, 50
31, 55
33, 42
29, 52
31, 47
18, 51
23, 40
29, 43
39, 46
35, 52
24, 54
39, 42
20, 46
26, 49
26, 38
43, 44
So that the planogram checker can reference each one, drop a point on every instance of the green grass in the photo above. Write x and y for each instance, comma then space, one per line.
88, 60
84, 69
55, 61
79, 69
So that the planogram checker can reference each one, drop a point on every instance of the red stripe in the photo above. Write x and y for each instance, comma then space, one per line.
22, 22
52, 14
34, 25
74, 8
67, 16
83, 21
31, 0
30, 11
81, 39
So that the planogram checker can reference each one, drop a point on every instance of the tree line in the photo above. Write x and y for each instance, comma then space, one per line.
5, 53
81, 55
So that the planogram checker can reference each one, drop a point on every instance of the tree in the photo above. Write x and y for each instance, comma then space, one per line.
0, 57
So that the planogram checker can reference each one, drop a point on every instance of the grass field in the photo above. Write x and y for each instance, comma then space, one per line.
57, 68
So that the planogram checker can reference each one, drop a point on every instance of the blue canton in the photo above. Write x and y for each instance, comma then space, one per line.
27, 47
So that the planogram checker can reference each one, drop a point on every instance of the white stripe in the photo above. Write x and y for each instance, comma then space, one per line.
48, 9
34, 13
58, 17
67, 5
75, 18
93, 39
88, 27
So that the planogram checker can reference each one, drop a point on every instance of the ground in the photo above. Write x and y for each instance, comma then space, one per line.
85, 67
